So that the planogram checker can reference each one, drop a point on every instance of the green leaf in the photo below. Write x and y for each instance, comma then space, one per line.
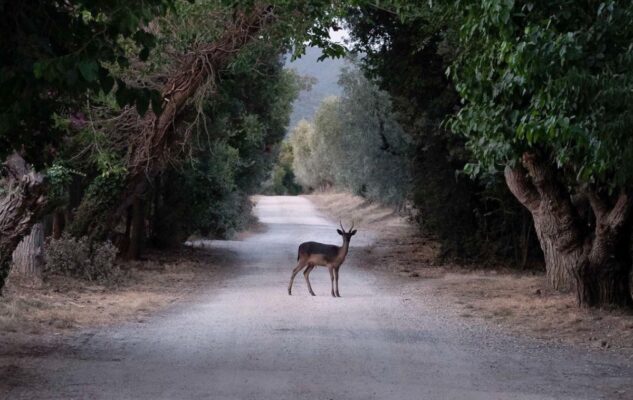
89, 70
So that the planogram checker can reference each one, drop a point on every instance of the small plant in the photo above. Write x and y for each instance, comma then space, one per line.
81, 259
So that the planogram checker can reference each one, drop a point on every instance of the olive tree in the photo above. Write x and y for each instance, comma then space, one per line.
354, 143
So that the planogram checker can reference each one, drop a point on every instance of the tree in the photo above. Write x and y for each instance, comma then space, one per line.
405, 48
310, 168
354, 143
67, 53
547, 88
282, 180
28, 257
208, 192
55, 54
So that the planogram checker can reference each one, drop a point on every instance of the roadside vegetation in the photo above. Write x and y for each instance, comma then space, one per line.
508, 125
480, 295
503, 128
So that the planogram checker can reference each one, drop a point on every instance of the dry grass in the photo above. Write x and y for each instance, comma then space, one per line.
517, 302
525, 305
61, 305
364, 213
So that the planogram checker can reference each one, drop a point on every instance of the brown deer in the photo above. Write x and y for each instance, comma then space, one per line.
328, 255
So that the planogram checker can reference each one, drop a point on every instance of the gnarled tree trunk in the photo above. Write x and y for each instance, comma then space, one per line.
20, 208
589, 261
28, 257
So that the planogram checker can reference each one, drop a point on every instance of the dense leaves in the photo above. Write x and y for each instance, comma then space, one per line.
552, 77
53, 52
406, 48
354, 143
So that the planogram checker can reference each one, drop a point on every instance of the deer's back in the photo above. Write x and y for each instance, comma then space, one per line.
318, 253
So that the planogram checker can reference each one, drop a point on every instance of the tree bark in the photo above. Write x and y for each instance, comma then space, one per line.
588, 261
28, 257
20, 208
556, 222
603, 276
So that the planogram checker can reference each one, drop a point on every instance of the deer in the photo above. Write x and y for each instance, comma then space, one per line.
312, 254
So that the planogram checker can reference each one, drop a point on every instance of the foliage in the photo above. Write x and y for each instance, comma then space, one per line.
80, 258
552, 77
56, 52
355, 143
313, 161
406, 47
233, 153
282, 180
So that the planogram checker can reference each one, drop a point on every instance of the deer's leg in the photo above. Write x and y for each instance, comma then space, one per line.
336, 280
331, 269
302, 263
306, 274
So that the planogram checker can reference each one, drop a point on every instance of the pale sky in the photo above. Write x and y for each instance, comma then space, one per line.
339, 36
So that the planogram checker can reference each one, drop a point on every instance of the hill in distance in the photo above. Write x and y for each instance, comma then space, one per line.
325, 72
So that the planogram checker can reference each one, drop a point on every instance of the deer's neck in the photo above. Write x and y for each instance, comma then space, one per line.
342, 252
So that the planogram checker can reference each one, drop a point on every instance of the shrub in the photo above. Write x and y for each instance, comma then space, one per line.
81, 259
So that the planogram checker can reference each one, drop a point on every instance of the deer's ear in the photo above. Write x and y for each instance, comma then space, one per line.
340, 232
353, 232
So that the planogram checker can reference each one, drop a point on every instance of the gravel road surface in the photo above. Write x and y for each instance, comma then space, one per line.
245, 338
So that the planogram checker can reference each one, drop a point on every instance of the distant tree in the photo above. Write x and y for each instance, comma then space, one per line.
374, 148
312, 171
354, 144
282, 180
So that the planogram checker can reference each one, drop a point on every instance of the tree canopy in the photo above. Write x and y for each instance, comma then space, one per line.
551, 77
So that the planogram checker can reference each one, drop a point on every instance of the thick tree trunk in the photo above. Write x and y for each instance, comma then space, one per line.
20, 208
28, 257
589, 262
560, 261
556, 221
603, 276
605, 282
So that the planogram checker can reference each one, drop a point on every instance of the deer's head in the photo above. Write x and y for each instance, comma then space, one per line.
346, 235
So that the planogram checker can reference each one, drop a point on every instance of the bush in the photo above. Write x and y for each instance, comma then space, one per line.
81, 259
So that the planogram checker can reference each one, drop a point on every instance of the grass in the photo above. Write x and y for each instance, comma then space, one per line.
60, 305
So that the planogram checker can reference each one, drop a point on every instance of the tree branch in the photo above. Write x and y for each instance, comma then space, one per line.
620, 212
521, 187
598, 205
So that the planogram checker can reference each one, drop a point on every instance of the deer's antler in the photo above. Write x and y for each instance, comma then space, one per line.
340, 223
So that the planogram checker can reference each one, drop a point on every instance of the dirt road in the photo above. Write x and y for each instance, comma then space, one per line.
245, 338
